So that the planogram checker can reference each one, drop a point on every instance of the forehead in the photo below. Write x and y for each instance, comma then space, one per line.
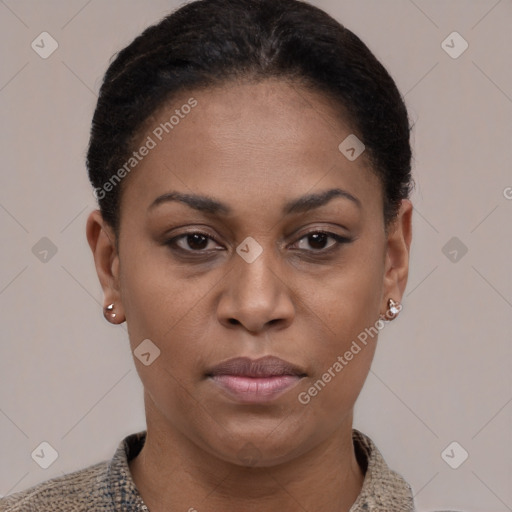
266, 141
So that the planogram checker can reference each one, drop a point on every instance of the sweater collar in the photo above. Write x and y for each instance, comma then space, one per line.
383, 489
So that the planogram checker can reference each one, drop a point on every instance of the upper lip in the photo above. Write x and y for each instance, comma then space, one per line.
268, 366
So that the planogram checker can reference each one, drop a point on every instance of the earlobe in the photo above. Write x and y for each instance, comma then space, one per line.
397, 254
102, 242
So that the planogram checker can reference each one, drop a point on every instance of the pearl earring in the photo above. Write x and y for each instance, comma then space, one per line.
108, 312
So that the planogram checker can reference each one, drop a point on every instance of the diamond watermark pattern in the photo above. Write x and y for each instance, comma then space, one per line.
454, 45
454, 249
44, 250
454, 455
249, 249
44, 45
45, 455
351, 147
147, 352
249, 454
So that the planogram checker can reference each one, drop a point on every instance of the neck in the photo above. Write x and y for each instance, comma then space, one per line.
172, 473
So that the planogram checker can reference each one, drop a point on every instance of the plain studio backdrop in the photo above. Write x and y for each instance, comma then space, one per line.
440, 387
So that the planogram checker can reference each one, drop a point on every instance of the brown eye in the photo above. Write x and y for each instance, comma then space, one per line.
196, 241
192, 242
318, 241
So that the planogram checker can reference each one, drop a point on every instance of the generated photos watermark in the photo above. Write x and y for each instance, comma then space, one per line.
304, 397
157, 135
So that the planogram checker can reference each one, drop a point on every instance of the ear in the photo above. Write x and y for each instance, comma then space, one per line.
102, 242
397, 255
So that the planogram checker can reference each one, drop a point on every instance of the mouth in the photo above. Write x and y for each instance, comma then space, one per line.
255, 380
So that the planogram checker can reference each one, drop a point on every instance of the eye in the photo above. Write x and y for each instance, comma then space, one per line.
192, 242
318, 239
198, 242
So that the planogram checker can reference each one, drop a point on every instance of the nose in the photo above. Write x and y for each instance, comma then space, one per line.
256, 296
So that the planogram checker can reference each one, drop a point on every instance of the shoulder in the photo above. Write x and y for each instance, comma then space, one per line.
383, 488
85, 489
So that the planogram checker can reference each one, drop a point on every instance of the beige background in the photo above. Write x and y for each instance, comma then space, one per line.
442, 371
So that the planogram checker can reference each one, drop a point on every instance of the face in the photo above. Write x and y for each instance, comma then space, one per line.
265, 261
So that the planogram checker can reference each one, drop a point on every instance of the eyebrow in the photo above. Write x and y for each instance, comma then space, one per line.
213, 207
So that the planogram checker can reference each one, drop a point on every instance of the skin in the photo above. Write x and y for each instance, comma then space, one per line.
254, 147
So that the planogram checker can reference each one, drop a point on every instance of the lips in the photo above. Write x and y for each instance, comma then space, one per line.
268, 366
255, 380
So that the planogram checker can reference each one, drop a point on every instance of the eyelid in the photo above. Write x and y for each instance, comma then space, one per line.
174, 239
340, 240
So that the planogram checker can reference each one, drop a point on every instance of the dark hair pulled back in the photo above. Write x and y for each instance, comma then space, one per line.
209, 42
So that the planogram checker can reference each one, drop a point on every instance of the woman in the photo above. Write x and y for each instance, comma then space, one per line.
251, 160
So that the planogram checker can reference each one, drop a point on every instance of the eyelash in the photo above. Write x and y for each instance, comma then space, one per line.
201, 252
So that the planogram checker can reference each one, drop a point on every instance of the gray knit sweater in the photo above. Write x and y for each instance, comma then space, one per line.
108, 486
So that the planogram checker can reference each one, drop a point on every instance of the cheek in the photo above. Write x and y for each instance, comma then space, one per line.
173, 312
157, 298
349, 301
348, 306
341, 360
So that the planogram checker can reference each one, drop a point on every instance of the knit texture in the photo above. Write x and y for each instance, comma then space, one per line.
108, 486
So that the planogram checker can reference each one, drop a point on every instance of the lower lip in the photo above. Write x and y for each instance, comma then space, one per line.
255, 390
